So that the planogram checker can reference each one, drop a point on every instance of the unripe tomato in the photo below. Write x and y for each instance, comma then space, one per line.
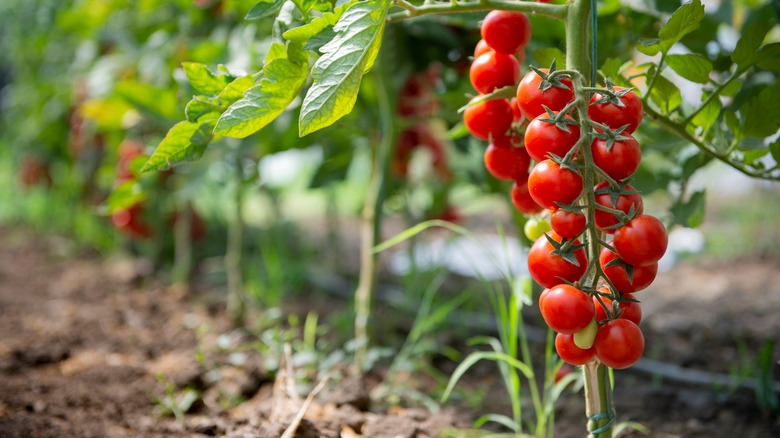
506, 31
619, 343
494, 70
550, 184
630, 310
568, 223
615, 116
641, 276
531, 99
534, 228
642, 241
620, 161
522, 200
566, 309
488, 119
506, 159
606, 221
571, 353
549, 269
542, 138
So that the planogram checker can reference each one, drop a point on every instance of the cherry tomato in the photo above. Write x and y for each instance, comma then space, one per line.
571, 353
548, 183
621, 160
619, 343
542, 137
549, 269
641, 276
506, 31
480, 48
566, 309
534, 228
488, 119
642, 241
564, 371
530, 97
568, 223
630, 310
505, 159
494, 70
515, 110
129, 221
522, 200
615, 116
605, 221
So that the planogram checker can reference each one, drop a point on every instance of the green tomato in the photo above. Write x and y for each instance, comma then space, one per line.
534, 228
585, 337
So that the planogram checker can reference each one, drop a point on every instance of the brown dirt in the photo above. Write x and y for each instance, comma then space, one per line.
83, 341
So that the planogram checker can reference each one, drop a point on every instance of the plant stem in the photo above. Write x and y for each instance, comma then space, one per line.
411, 11
370, 225
235, 241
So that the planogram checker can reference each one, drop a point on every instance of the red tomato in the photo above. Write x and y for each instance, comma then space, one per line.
488, 119
605, 220
621, 160
619, 343
506, 31
567, 223
571, 353
494, 70
641, 276
129, 221
548, 183
515, 110
34, 171
480, 48
630, 310
530, 97
615, 116
566, 309
522, 200
542, 137
549, 269
642, 241
506, 159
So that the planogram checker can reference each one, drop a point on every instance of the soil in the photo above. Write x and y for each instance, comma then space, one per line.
90, 347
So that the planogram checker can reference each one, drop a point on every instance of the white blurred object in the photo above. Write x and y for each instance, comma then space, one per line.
487, 256
681, 241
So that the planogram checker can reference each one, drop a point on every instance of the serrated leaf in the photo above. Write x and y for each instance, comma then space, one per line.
236, 89
203, 79
746, 52
695, 68
281, 81
303, 33
185, 141
547, 55
264, 8
683, 21
760, 116
665, 95
338, 72
708, 115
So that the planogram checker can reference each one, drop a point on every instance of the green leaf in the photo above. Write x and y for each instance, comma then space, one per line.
158, 101
307, 6
746, 52
186, 141
303, 33
666, 95
204, 80
236, 89
547, 55
690, 213
612, 69
125, 195
769, 58
282, 79
199, 106
774, 149
751, 156
695, 68
683, 21
732, 123
708, 115
264, 8
760, 116
338, 72
732, 88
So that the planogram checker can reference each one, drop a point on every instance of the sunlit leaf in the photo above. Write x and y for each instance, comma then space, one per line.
264, 8
303, 33
682, 22
203, 79
186, 141
746, 52
695, 68
338, 72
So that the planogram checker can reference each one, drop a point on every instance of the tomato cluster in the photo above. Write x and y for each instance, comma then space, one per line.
588, 302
